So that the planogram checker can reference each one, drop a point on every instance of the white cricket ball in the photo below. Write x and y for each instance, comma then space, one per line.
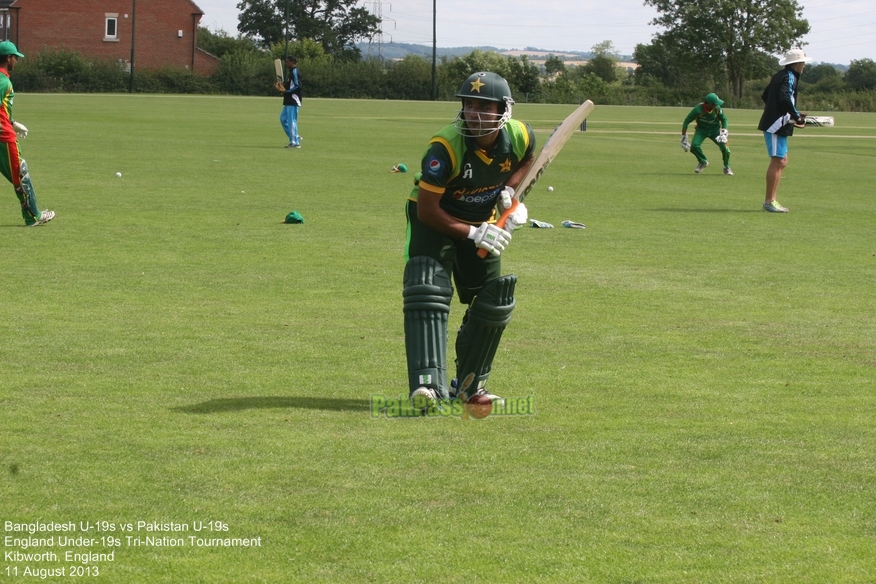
119, 174
550, 189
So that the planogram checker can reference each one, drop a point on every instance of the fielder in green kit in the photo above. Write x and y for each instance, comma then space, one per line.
467, 178
712, 124
12, 166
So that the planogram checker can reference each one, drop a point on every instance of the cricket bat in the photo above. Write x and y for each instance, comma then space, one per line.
278, 69
549, 151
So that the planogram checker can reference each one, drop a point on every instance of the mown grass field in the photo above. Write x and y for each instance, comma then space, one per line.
704, 373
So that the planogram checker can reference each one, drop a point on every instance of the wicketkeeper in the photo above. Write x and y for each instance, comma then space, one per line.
467, 179
711, 123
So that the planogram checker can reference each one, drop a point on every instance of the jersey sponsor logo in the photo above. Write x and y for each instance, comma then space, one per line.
477, 196
434, 166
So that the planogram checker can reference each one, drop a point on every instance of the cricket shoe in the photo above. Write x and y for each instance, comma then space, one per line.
423, 398
293, 146
727, 171
774, 207
45, 217
700, 167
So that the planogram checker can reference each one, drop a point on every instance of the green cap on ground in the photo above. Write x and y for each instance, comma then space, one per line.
294, 217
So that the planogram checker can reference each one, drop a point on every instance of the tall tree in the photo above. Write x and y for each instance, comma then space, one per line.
861, 74
731, 36
335, 24
604, 62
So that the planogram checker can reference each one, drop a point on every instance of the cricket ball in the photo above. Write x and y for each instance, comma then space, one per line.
119, 174
479, 406
550, 189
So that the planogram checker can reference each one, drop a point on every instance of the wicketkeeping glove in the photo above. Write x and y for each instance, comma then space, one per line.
20, 129
723, 136
517, 219
685, 145
489, 237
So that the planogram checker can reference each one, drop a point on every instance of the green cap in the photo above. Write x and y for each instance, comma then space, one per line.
713, 99
402, 167
294, 217
7, 48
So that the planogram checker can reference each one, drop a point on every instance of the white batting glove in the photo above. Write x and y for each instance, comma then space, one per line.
489, 237
517, 219
20, 129
506, 196
723, 136
685, 145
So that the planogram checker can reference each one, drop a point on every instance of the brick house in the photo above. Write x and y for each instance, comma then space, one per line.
164, 32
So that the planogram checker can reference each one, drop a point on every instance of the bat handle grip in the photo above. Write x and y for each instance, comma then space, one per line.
501, 222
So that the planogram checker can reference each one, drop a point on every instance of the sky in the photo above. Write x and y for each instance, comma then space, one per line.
842, 30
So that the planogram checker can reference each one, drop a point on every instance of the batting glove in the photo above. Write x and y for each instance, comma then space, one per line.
20, 129
506, 197
723, 136
489, 237
685, 145
517, 219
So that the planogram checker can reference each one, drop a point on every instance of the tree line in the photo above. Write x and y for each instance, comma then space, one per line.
726, 46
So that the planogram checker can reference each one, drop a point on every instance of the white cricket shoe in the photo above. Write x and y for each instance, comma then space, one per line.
45, 217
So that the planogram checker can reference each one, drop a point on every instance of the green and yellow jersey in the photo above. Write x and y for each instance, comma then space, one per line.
467, 178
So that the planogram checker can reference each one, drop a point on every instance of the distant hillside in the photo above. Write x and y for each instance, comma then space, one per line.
401, 50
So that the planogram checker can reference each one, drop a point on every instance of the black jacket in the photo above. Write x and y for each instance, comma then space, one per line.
780, 98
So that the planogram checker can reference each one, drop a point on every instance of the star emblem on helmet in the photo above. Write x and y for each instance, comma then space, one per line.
476, 85
505, 166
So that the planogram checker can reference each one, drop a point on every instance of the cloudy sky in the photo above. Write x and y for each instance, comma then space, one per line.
842, 30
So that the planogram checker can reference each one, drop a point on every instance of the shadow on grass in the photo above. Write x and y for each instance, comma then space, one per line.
689, 210
269, 403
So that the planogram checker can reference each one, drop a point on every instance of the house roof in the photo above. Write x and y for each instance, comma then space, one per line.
6, 3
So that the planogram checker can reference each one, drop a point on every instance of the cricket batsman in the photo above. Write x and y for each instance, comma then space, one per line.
711, 123
13, 167
467, 178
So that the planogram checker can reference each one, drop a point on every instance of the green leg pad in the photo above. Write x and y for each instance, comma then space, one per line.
480, 333
427, 295
27, 197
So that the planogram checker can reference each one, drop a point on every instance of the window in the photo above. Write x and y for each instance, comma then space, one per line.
112, 28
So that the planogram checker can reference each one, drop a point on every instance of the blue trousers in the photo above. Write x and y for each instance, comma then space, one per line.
289, 121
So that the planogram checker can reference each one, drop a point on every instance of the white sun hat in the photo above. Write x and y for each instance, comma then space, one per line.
794, 56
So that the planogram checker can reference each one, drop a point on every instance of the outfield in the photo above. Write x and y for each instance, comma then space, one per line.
703, 373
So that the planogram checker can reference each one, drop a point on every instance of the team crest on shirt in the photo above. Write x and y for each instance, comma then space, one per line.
505, 166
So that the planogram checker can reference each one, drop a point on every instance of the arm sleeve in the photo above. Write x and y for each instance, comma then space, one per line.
293, 80
690, 117
436, 168
786, 95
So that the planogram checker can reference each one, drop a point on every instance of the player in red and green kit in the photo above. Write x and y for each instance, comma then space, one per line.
467, 177
711, 124
12, 166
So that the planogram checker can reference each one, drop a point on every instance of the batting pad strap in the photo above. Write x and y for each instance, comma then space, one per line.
427, 295
481, 332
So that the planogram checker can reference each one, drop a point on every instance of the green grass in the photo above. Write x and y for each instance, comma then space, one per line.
703, 371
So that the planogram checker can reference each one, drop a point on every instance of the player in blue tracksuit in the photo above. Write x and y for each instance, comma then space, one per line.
780, 117
291, 89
